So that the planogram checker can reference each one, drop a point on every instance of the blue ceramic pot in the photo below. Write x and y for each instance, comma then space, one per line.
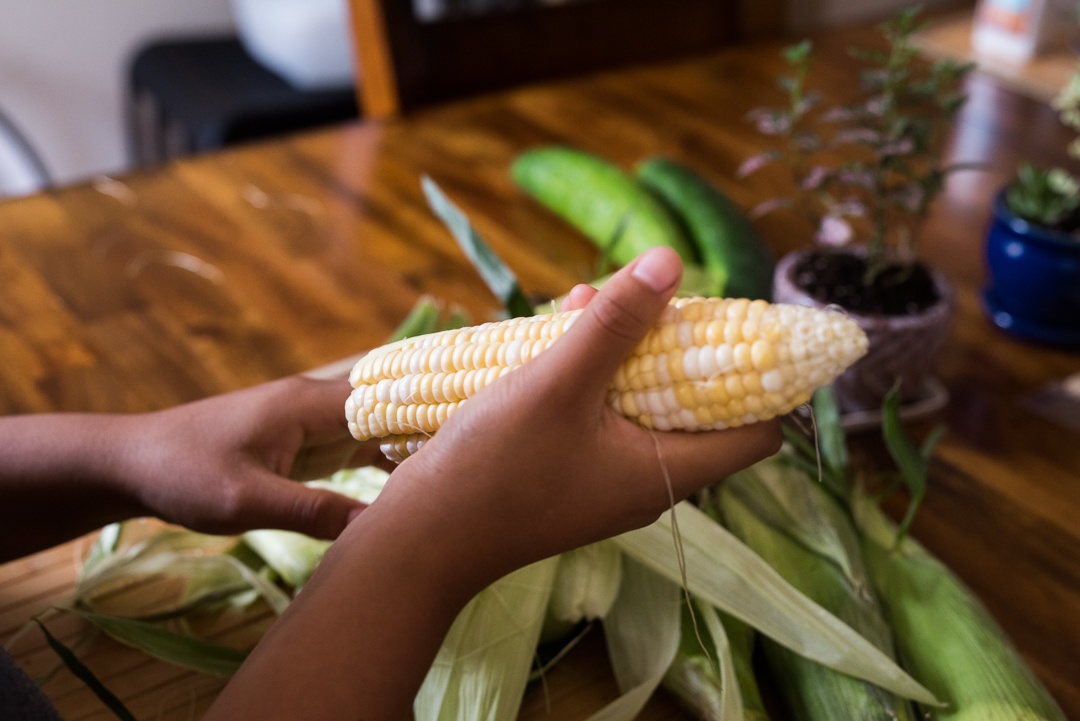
1034, 284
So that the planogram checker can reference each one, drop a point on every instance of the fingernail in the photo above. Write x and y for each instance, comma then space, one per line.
656, 270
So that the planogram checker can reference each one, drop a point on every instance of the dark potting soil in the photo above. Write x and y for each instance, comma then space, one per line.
839, 278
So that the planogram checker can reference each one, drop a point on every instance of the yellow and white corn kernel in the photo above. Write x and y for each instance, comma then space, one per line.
711, 363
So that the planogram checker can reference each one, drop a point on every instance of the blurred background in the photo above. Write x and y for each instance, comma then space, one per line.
69, 109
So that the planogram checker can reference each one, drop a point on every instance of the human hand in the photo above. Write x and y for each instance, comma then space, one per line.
229, 463
539, 463
534, 464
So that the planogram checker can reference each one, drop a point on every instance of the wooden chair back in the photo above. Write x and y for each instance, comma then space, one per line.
406, 62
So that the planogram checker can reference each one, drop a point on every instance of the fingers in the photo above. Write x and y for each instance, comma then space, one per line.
618, 317
578, 297
321, 459
291, 506
695, 460
318, 404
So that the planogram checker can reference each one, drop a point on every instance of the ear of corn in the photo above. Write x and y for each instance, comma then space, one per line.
946, 637
710, 363
831, 574
724, 572
715, 683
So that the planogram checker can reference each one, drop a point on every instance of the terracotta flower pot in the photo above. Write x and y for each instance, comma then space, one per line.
902, 347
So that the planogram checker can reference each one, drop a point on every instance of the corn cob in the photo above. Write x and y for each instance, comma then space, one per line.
947, 637
816, 548
710, 363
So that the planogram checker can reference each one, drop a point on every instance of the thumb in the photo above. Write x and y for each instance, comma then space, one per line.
292, 506
620, 315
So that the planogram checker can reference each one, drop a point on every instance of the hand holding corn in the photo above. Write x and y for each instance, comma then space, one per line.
550, 429
66, 474
531, 466
709, 364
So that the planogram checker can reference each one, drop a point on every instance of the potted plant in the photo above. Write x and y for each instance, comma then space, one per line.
863, 177
1033, 245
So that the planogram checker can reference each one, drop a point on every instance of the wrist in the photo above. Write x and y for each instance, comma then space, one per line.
427, 542
59, 476
121, 468
368, 624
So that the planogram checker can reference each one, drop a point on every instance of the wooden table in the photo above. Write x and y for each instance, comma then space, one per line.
227, 270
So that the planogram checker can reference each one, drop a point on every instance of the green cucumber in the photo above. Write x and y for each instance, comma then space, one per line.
603, 202
722, 234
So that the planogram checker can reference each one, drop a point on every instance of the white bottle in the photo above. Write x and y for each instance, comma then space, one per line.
1018, 30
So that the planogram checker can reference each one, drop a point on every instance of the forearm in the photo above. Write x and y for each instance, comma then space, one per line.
59, 478
359, 639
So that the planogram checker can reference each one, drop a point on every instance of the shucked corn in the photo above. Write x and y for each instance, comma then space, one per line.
710, 363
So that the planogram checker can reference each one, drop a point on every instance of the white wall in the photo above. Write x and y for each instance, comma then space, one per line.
63, 67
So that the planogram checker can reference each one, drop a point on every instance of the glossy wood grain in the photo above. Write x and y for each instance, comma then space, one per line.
231, 269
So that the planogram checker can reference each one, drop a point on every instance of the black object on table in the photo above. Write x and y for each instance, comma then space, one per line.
188, 96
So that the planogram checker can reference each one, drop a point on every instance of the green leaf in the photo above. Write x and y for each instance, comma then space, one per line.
798, 53
909, 458
458, 318
84, 674
832, 440
723, 571
206, 575
421, 320
791, 501
945, 634
799, 442
176, 648
811, 687
805, 464
710, 670
642, 628
498, 277
293, 556
642, 632
482, 667
107, 542
927, 448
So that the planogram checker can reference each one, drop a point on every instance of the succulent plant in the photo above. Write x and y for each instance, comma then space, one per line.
1050, 197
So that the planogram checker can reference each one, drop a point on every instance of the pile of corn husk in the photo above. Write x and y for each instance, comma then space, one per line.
769, 562
633, 583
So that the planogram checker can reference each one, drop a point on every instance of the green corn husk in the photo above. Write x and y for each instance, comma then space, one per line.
587, 582
946, 637
728, 574
808, 538
642, 634
294, 556
699, 680
482, 667
741, 638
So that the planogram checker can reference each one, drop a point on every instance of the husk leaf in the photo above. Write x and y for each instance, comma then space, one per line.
482, 667
726, 573
642, 633
945, 634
